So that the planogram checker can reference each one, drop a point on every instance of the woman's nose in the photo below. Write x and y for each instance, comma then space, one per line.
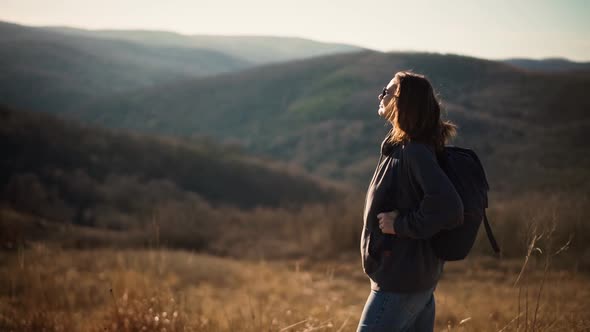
379, 97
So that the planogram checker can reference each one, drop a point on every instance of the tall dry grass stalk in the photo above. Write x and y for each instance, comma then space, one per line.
546, 253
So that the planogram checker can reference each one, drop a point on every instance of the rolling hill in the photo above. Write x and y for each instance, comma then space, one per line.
253, 49
45, 70
321, 113
67, 172
50, 69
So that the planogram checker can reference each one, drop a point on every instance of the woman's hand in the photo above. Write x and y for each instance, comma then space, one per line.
386, 220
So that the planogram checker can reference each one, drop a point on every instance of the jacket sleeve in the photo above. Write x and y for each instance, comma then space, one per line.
441, 206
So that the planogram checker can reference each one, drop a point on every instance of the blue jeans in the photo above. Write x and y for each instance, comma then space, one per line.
392, 312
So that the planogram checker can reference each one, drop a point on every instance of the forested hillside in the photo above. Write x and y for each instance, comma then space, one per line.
70, 174
321, 113
47, 71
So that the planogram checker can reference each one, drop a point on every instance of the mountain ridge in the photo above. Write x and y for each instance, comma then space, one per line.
555, 64
258, 49
45, 70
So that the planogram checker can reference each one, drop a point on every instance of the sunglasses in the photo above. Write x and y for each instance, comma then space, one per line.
384, 93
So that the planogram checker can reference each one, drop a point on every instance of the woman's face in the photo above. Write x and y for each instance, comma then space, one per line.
386, 96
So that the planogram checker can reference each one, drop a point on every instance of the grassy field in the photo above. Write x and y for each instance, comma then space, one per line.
44, 289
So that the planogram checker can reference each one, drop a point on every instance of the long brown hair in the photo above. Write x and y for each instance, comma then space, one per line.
414, 113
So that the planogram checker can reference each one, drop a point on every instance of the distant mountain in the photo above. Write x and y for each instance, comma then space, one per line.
321, 113
254, 49
50, 69
549, 65
44, 70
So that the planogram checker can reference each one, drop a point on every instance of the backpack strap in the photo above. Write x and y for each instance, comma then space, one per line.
490, 235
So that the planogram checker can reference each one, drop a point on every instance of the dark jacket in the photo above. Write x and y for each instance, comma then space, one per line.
408, 179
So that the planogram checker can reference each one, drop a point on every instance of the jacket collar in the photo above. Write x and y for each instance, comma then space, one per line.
386, 146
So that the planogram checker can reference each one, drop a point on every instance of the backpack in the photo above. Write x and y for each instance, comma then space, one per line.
467, 174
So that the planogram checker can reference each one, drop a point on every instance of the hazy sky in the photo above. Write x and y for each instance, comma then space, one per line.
489, 29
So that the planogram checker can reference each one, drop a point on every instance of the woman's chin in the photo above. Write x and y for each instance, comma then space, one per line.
381, 111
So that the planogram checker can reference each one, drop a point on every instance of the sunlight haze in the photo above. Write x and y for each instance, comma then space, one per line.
490, 29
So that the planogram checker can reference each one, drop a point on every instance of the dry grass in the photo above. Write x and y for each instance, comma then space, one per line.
43, 289
262, 284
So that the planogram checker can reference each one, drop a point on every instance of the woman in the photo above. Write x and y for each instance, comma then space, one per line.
409, 199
